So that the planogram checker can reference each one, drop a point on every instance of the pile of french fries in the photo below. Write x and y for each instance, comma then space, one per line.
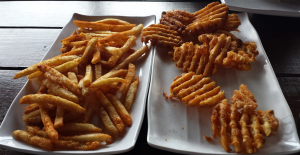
96, 63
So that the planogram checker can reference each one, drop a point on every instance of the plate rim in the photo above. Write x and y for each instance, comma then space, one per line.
122, 150
166, 148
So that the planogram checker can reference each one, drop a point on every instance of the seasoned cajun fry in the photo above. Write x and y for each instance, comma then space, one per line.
58, 101
224, 139
35, 120
109, 125
78, 43
215, 121
138, 53
36, 131
90, 110
99, 137
72, 145
114, 116
87, 80
247, 140
61, 68
134, 31
51, 62
129, 78
31, 114
72, 76
120, 109
91, 31
33, 140
103, 27
88, 50
102, 82
55, 89
59, 119
77, 51
58, 78
255, 131
112, 21
131, 93
235, 131
98, 71
31, 108
79, 128
96, 56
52, 133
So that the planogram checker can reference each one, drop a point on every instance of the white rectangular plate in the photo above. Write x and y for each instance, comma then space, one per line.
288, 8
175, 127
13, 119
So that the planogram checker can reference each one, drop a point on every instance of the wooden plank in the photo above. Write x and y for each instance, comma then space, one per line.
57, 14
24, 47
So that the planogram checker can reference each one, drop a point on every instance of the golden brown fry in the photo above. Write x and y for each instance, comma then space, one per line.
66, 41
98, 71
131, 93
87, 80
33, 140
103, 82
255, 131
90, 110
111, 110
31, 114
96, 56
269, 121
31, 108
138, 53
224, 139
120, 109
35, 120
97, 32
109, 125
235, 131
58, 78
129, 78
41, 98
35, 130
72, 76
72, 145
59, 118
78, 43
55, 89
88, 50
103, 27
99, 137
215, 121
51, 62
78, 128
247, 140
52, 133
112, 21
77, 51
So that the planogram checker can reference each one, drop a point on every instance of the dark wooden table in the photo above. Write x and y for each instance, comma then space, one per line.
28, 29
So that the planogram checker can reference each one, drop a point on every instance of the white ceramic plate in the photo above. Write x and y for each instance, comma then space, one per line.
290, 8
175, 127
13, 119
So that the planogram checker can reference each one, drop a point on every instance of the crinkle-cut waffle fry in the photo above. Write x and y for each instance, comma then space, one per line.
176, 19
194, 90
209, 19
242, 100
161, 35
232, 23
246, 124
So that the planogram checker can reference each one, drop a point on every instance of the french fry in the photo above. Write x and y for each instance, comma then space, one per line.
96, 56
235, 131
91, 31
59, 118
120, 109
215, 121
255, 131
35, 130
58, 78
65, 48
52, 133
103, 27
112, 21
66, 41
61, 68
88, 50
131, 93
33, 140
129, 78
55, 89
72, 145
58, 101
31, 114
77, 51
103, 82
109, 125
72, 76
138, 53
224, 138
31, 108
90, 111
98, 71
78, 128
51, 62
35, 120
134, 31
78, 43
247, 140
114, 116
99, 137
87, 80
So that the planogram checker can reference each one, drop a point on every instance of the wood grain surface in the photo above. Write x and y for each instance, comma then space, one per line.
28, 29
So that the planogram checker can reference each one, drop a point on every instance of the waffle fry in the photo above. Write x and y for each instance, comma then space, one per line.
161, 35
209, 19
176, 19
194, 90
247, 136
232, 23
